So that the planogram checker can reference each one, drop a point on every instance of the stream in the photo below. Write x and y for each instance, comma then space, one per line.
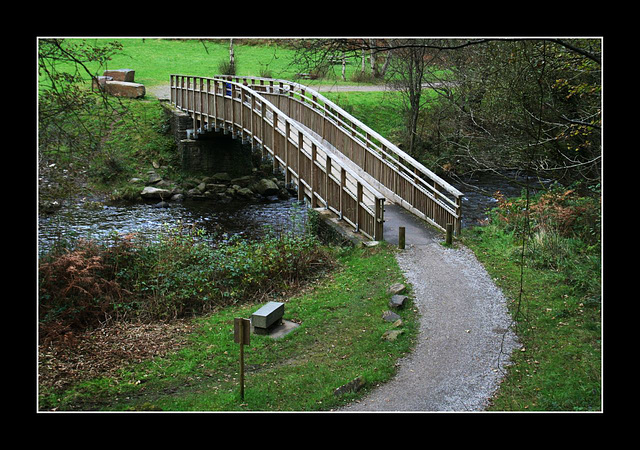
81, 220
246, 219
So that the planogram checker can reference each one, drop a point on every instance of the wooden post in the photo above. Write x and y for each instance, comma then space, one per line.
401, 238
273, 141
252, 120
379, 220
208, 97
314, 153
233, 111
327, 172
449, 238
242, 136
299, 156
459, 214
242, 336
287, 162
263, 134
358, 208
343, 184
215, 105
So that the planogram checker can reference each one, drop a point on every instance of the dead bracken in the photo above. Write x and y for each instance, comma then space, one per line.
103, 351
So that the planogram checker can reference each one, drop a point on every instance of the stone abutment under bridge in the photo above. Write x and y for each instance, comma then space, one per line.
211, 152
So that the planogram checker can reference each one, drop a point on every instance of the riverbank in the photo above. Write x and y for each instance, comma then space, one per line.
193, 366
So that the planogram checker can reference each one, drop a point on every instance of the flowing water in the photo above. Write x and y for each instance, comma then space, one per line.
77, 220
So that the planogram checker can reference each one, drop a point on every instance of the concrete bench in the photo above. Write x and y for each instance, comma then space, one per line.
267, 317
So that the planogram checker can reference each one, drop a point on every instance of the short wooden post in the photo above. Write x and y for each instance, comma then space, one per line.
449, 238
401, 238
242, 336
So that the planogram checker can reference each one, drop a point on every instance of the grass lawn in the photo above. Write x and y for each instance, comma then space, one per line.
155, 59
559, 325
338, 340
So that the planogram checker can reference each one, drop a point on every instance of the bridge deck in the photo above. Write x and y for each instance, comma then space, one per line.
333, 158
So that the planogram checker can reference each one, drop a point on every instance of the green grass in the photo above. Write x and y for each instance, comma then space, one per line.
338, 340
379, 110
155, 59
558, 322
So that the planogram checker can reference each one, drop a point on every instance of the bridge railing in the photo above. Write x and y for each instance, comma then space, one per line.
223, 104
406, 180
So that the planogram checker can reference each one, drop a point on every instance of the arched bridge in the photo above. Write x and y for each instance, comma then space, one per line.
335, 160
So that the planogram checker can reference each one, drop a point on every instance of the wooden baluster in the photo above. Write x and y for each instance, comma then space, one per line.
358, 201
208, 97
343, 186
215, 105
262, 130
314, 175
299, 156
233, 111
273, 142
327, 169
252, 119
173, 94
242, 94
287, 172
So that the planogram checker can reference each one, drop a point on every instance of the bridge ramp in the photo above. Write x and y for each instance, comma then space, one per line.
417, 231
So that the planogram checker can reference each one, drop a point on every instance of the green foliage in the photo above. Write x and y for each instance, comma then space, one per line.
179, 274
557, 308
338, 339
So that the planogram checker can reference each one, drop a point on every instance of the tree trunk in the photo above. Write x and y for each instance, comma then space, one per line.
232, 59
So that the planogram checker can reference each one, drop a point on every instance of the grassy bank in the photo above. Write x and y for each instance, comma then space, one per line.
155, 59
558, 314
339, 338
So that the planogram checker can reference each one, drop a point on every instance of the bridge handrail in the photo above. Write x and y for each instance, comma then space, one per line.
416, 165
377, 196
386, 153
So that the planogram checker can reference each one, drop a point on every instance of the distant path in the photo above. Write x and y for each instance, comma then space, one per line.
464, 340
164, 91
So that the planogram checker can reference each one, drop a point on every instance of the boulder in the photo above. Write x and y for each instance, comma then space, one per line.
121, 74
244, 192
392, 335
221, 178
151, 192
242, 181
216, 188
390, 316
125, 89
352, 386
397, 301
396, 288
154, 178
266, 187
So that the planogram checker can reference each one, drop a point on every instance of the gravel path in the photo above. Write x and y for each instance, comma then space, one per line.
164, 92
464, 340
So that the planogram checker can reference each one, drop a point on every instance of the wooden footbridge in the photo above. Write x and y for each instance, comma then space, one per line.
336, 161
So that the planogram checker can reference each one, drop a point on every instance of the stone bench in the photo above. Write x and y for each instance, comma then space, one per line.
121, 74
267, 317
124, 89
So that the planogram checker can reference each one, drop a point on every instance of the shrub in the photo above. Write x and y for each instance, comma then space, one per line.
178, 274
76, 290
563, 234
